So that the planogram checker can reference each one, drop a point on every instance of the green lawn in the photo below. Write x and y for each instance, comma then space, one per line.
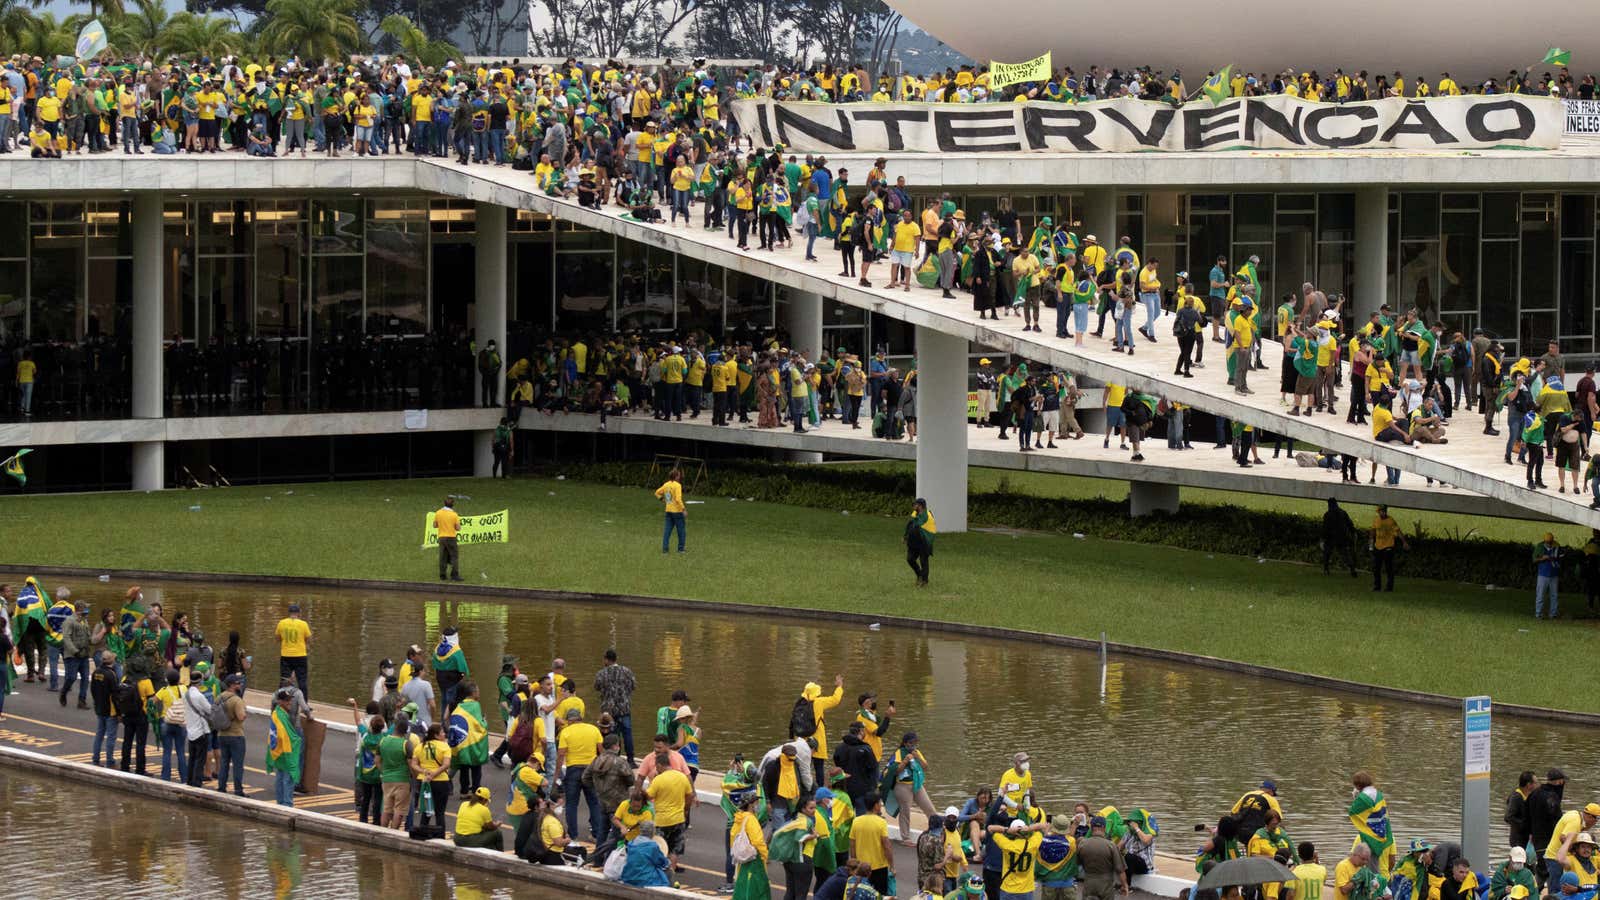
1430, 635
1438, 524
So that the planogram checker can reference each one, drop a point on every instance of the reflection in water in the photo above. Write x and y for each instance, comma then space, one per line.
142, 848
1182, 741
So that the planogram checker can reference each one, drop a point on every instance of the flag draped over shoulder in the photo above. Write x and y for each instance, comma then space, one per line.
468, 735
284, 743
1369, 813
1425, 343
55, 618
131, 617
447, 657
32, 602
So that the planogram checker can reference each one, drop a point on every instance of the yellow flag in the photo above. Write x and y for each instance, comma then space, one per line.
1036, 69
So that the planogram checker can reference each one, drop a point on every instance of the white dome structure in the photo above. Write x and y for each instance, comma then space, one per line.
1473, 40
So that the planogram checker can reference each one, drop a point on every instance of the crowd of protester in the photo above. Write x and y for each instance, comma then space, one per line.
819, 809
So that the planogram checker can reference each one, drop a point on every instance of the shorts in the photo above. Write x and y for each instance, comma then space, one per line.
208, 128
1411, 356
1567, 455
673, 835
1052, 420
1115, 418
1214, 306
363, 132
907, 258
396, 794
1303, 384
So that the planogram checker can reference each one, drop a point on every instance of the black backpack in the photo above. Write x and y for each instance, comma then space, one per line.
129, 706
803, 720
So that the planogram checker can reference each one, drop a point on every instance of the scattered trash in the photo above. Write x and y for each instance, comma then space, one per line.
194, 508
484, 575
733, 499
1522, 631
551, 493
561, 478
287, 493
749, 499
387, 500
1078, 535
874, 627
1260, 559
104, 578
692, 502
266, 498
1488, 587
844, 512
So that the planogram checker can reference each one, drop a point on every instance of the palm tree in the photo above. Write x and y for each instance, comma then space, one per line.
15, 20
414, 42
188, 34
47, 37
314, 29
140, 31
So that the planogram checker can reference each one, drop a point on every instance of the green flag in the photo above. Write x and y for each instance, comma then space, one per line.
13, 467
91, 40
1218, 87
1558, 57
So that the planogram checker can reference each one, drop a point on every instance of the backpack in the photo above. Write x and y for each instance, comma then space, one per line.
520, 745
126, 698
803, 719
174, 713
742, 851
219, 719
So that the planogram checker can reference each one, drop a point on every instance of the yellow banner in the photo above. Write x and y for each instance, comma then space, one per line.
1036, 69
488, 528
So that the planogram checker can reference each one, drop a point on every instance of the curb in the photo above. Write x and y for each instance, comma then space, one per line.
1358, 688
572, 879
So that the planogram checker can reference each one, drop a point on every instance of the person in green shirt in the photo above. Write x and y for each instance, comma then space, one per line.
920, 530
504, 447
394, 771
368, 772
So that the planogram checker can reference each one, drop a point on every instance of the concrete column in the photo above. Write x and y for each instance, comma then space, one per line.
942, 427
1372, 251
1100, 216
489, 317
489, 310
1146, 497
803, 320
149, 458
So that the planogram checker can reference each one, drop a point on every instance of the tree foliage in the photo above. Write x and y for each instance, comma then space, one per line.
316, 30
415, 43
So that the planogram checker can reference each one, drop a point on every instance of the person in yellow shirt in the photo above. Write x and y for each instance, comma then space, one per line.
682, 180
1019, 848
671, 494
364, 114
672, 369
47, 112
1244, 333
903, 250
694, 382
1385, 533
1015, 782
475, 823
27, 371
869, 843
673, 795
448, 524
294, 641
210, 100
630, 813
576, 747
430, 762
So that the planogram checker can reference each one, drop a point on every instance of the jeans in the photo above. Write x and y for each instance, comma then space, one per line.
497, 144
673, 522
130, 134
199, 749
5, 133
680, 204
1546, 587
421, 139
283, 787
797, 413
27, 398
1080, 317
1152, 312
231, 757
573, 787
135, 733
54, 655
77, 670
174, 742
1063, 308
624, 727
1383, 563
811, 239
480, 145
1125, 328
105, 729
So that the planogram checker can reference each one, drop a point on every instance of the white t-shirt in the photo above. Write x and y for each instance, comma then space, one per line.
546, 707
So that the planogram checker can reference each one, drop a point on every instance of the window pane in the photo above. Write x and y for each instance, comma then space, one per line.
644, 287
1536, 328
1166, 223
110, 297
336, 225
335, 296
1419, 278
57, 288
1538, 252
13, 300
1577, 287
1210, 236
279, 281
1458, 253
583, 291
1419, 217
224, 295
1499, 291
531, 305
1252, 219
177, 272
397, 268
749, 307
109, 233
1336, 265
1295, 256
13, 230
1577, 215
224, 227
699, 295
1500, 215
1297, 203
1208, 202
1336, 217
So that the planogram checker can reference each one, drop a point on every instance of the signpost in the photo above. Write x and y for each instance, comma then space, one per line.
1475, 779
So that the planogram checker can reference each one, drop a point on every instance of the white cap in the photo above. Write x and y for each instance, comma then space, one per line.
1016, 825
1519, 855
952, 811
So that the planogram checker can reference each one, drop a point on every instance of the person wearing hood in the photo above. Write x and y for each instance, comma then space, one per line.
820, 704
854, 756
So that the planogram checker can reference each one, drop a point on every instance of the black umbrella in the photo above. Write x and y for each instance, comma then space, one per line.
1245, 871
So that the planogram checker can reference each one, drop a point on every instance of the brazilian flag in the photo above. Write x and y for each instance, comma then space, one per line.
284, 743
32, 602
13, 467
447, 656
55, 618
131, 616
1426, 342
468, 734
1369, 813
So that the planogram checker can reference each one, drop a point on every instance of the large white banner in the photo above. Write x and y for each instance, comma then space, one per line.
1256, 123
1583, 116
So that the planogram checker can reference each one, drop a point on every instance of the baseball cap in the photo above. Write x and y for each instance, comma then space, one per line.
482, 793
1061, 823
1097, 822
1269, 785
1592, 809
951, 811
235, 678
410, 709
1517, 891
294, 607
1519, 855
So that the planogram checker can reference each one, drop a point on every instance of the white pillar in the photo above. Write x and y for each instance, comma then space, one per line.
149, 457
489, 317
1146, 497
803, 320
942, 427
1100, 216
489, 311
1372, 251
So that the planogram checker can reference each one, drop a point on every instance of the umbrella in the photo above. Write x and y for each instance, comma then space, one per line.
1245, 871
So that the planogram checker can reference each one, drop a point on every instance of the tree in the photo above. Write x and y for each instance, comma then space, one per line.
489, 22
191, 35
415, 44
47, 37
437, 17
314, 29
15, 21
746, 29
139, 31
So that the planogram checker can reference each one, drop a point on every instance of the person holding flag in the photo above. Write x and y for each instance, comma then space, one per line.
1369, 813
450, 668
920, 529
55, 622
468, 735
13, 466
29, 626
284, 745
